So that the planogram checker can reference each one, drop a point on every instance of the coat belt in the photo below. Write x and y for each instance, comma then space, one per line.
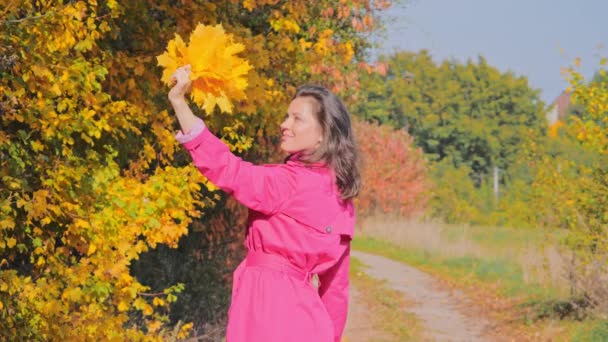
277, 263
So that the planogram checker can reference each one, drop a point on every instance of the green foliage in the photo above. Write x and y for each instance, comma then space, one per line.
454, 193
596, 331
467, 118
467, 112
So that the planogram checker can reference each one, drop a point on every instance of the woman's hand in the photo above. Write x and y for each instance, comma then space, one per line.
181, 77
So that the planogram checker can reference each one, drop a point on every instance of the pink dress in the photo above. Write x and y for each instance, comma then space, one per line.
298, 226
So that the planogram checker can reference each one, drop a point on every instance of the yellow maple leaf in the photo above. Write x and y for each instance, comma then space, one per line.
185, 330
154, 325
123, 306
218, 74
40, 261
92, 249
249, 5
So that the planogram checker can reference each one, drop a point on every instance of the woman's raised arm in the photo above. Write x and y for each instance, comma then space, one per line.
177, 96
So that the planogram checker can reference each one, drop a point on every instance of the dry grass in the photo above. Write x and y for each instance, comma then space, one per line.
537, 253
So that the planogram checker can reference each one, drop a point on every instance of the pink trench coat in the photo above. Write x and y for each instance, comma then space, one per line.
298, 226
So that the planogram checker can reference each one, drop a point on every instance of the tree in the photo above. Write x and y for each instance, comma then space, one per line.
394, 172
468, 112
91, 175
573, 192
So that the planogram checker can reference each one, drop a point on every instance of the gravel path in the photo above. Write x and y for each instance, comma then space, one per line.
439, 311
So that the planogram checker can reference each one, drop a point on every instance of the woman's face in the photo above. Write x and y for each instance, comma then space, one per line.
300, 131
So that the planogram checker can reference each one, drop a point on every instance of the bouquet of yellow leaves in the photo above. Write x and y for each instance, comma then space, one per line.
218, 75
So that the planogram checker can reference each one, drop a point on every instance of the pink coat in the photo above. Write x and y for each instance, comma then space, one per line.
298, 226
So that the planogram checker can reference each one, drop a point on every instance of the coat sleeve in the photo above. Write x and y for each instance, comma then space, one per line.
261, 188
333, 290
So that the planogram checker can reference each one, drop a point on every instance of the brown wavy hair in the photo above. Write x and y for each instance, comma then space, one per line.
338, 148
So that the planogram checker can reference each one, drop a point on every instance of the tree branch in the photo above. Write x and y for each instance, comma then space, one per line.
15, 21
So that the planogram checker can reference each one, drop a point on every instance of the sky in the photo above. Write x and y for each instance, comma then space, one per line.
532, 38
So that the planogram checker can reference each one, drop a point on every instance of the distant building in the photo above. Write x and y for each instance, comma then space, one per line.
559, 108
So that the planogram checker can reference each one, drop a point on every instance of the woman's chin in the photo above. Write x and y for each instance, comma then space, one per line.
285, 148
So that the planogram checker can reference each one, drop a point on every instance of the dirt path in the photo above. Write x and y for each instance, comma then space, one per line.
359, 326
439, 311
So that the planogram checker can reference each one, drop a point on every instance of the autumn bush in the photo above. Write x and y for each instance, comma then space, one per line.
394, 172
572, 193
91, 176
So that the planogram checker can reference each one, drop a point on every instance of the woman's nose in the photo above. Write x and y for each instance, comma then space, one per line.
285, 124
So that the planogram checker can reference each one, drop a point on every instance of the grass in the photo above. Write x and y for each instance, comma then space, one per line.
596, 330
384, 307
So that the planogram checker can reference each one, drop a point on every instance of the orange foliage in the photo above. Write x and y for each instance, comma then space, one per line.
554, 129
394, 172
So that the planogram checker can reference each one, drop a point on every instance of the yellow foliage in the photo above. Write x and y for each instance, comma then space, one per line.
11, 242
573, 192
554, 129
285, 24
218, 75
249, 4
89, 183
591, 129
184, 330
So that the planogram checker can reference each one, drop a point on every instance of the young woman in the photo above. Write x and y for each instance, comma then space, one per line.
301, 218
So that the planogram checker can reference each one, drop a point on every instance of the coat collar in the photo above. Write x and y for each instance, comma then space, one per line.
297, 159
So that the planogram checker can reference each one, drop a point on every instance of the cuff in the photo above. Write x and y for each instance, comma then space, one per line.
198, 128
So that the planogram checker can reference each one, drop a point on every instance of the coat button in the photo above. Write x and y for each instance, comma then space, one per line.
328, 229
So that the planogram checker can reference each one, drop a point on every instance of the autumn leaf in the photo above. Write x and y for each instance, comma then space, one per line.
218, 75
11, 242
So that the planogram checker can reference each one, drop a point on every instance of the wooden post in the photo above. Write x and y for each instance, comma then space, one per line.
495, 186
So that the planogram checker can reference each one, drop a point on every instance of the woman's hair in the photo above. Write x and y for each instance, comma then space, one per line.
338, 148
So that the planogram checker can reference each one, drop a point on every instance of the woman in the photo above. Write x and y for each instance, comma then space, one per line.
301, 218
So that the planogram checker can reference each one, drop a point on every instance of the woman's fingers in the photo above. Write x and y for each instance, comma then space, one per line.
182, 73
179, 77
180, 82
